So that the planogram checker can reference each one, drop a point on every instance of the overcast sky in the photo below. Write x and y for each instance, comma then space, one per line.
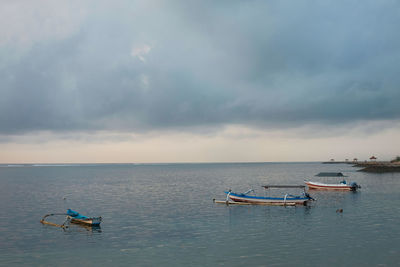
162, 81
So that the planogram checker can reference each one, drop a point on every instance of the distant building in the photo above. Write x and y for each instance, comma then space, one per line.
373, 158
355, 160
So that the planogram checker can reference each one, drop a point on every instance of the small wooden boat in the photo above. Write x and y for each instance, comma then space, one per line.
286, 199
342, 185
75, 217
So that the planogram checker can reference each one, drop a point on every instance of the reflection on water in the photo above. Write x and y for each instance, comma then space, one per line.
155, 215
76, 228
72, 228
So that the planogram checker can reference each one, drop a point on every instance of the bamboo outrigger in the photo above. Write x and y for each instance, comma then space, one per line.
43, 221
247, 203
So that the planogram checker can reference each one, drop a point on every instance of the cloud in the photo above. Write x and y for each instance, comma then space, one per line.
232, 144
25, 23
140, 52
267, 64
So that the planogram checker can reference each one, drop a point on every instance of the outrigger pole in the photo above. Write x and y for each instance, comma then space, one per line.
284, 186
54, 224
289, 186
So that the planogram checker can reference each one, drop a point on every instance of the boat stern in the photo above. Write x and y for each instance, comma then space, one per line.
354, 186
96, 221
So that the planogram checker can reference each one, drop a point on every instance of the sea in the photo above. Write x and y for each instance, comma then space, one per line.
164, 215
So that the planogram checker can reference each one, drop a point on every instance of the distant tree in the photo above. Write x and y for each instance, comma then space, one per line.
396, 159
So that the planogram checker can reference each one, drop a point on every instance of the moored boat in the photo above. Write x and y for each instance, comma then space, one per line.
341, 185
286, 199
76, 217
73, 217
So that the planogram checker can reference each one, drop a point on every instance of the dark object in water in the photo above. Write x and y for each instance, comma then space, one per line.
339, 211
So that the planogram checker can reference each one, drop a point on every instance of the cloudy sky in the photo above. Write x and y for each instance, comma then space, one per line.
198, 81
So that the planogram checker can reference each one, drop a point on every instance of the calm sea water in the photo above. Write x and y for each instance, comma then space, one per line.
163, 215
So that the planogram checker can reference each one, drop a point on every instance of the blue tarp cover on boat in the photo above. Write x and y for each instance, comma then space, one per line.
76, 215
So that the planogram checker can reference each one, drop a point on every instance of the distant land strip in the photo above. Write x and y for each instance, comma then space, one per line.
379, 167
372, 166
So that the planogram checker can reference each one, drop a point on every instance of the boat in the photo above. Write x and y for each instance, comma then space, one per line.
286, 199
76, 217
341, 185
73, 217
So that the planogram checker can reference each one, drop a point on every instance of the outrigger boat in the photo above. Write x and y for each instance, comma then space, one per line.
73, 217
342, 185
287, 199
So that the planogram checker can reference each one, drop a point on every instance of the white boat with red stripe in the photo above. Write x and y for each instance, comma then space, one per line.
342, 185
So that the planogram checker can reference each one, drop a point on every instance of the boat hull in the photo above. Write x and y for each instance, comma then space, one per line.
90, 221
268, 200
322, 186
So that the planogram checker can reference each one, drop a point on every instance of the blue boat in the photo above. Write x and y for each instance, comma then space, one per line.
76, 217
286, 199
73, 217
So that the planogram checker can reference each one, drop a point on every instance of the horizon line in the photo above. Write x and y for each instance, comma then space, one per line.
150, 163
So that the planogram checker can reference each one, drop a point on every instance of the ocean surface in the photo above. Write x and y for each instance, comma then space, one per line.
163, 215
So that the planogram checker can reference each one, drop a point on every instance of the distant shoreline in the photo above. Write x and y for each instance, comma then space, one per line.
371, 166
379, 167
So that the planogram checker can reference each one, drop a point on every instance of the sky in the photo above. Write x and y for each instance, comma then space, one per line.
198, 81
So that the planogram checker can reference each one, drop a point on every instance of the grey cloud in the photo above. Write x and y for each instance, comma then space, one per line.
269, 63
